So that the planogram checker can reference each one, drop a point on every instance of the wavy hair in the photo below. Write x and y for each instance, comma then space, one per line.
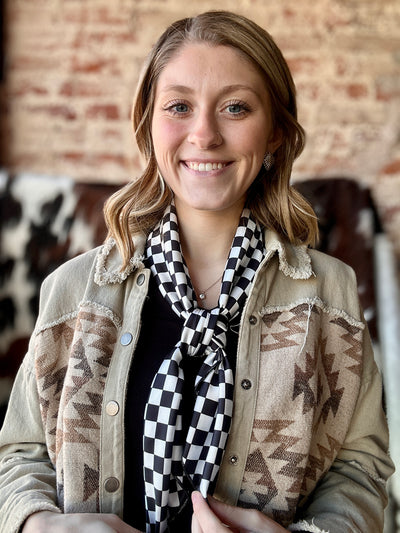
138, 206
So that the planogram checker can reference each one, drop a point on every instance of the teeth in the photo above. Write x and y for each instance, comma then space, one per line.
205, 167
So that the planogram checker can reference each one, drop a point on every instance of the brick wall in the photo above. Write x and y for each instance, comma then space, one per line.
72, 66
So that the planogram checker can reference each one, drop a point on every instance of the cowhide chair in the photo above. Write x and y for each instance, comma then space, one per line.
43, 222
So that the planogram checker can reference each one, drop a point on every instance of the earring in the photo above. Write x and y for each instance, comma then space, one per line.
268, 161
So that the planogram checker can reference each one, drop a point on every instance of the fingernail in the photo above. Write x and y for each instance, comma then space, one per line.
196, 496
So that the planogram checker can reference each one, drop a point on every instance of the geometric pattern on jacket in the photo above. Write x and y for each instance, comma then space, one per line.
317, 352
72, 360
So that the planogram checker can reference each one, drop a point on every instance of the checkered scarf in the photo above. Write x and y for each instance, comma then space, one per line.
174, 463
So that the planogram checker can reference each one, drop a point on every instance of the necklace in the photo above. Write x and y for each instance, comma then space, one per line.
202, 294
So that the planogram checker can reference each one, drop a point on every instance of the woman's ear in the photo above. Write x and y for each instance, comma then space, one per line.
275, 141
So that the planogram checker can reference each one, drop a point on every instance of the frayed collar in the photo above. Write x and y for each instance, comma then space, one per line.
294, 261
109, 264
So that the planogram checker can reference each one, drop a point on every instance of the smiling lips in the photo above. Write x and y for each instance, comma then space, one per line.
205, 167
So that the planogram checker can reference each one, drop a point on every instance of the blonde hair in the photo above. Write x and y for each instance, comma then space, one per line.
138, 206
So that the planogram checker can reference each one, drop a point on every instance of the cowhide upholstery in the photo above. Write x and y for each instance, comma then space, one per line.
348, 223
44, 222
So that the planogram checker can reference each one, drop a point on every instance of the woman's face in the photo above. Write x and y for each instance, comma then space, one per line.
211, 126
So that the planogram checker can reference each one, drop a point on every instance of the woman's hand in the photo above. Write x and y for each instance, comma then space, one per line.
218, 517
49, 522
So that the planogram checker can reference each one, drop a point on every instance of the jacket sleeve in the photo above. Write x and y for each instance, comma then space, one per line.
352, 495
27, 476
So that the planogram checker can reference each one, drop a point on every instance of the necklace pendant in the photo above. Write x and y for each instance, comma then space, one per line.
202, 296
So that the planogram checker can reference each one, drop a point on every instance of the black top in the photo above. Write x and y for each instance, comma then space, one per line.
160, 331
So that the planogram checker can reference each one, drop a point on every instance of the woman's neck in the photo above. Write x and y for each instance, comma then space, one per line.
206, 239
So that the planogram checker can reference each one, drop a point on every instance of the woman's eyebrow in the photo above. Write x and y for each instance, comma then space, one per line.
224, 90
177, 88
237, 87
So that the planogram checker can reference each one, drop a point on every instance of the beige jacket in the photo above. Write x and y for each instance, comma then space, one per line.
308, 444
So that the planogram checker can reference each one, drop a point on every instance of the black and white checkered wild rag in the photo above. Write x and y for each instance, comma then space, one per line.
174, 462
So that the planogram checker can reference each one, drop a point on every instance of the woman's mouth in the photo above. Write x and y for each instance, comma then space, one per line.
205, 166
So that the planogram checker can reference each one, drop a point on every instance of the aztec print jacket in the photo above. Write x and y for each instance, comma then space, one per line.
308, 444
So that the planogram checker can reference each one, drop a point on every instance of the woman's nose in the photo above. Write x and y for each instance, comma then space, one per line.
204, 132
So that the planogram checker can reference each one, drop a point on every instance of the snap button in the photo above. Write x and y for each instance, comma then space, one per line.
246, 384
253, 320
140, 279
112, 408
233, 459
126, 339
111, 484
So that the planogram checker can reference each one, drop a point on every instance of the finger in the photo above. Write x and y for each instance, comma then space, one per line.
196, 528
237, 517
206, 518
97, 524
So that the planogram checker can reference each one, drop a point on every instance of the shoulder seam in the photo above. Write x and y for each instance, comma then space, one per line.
73, 314
337, 313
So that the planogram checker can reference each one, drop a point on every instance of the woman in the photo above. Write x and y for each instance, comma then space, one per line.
120, 416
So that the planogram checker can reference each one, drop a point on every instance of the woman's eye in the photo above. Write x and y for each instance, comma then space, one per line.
236, 108
178, 108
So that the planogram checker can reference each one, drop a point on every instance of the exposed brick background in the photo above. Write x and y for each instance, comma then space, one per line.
72, 66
